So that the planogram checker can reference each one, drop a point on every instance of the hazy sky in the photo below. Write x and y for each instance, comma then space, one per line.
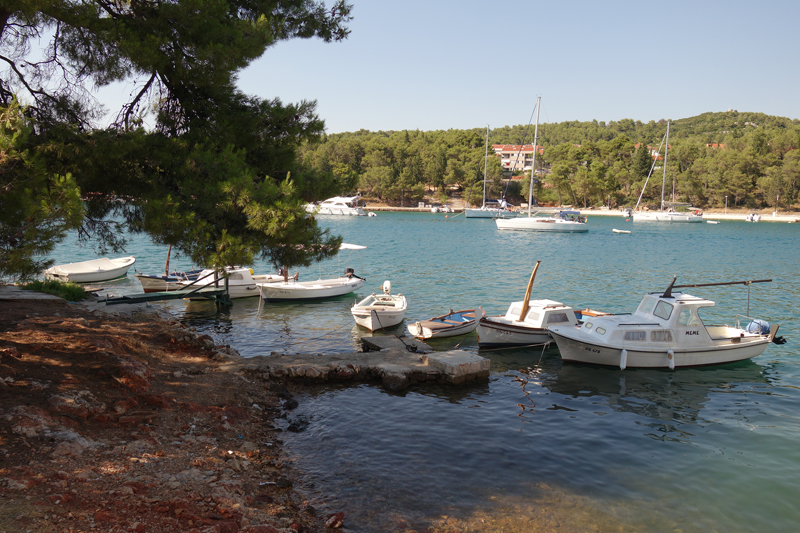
439, 64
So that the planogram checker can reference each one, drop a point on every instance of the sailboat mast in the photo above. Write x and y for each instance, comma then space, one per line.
533, 163
664, 178
485, 165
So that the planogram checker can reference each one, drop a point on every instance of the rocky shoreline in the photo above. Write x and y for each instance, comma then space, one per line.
125, 422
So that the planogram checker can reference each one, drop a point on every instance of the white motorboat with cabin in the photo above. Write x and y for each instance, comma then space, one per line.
452, 324
665, 331
675, 211
379, 311
241, 281
291, 289
338, 205
525, 323
102, 269
489, 208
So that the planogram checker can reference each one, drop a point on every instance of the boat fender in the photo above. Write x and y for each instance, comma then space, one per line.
671, 357
623, 359
251, 271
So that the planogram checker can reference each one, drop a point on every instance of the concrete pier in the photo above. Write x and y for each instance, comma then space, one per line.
396, 362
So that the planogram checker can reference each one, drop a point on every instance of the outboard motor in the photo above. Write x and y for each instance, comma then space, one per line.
758, 326
387, 287
348, 272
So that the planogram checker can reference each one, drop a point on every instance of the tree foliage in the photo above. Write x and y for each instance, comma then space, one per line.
751, 158
218, 175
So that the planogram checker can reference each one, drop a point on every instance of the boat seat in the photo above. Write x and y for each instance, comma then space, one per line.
431, 324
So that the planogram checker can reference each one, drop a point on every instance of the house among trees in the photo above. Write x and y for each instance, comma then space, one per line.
516, 157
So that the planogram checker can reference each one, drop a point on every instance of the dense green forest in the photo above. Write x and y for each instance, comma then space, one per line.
750, 158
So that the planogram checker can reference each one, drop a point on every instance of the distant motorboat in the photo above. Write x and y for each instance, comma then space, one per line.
379, 311
102, 269
753, 217
712, 221
338, 205
452, 324
615, 230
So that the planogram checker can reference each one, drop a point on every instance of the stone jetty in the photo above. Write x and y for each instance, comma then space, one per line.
395, 362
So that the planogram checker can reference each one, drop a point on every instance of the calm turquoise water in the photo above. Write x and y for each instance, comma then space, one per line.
715, 449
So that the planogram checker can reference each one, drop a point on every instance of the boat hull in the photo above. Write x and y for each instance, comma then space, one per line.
488, 212
346, 211
496, 331
172, 282
580, 351
666, 217
534, 224
444, 326
96, 270
380, 311
309, 290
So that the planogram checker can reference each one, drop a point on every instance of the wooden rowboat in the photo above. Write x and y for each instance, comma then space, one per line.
450, 325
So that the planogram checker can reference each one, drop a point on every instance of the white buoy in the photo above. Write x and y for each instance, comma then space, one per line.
671, 356
623, 359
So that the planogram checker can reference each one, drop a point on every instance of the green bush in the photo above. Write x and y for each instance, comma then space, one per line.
69, 291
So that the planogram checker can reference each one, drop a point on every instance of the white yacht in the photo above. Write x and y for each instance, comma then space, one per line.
338, 205
561, 222
665, 331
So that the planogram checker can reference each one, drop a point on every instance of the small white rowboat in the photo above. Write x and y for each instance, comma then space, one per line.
450, 325
102, 269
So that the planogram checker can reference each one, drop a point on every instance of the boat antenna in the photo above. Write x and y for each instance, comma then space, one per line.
533, 162
525, 305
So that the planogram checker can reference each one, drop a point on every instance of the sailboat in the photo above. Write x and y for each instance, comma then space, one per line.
500, 210
561, 222
670, 214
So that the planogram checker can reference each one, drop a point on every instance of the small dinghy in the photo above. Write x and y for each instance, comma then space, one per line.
378, 311
102, 269
450, 325
712, 221
615, 230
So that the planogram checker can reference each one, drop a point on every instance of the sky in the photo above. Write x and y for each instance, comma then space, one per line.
445, 64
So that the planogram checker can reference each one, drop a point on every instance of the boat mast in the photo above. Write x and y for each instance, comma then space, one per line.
664, 178
485, 165
533, 163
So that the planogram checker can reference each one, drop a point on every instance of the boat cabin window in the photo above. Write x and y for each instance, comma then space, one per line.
236, 276
635, 336
557, 318
533, 316
663, 310
600, 330
661, 335
688, 318
588, 325
515, 311
647, 305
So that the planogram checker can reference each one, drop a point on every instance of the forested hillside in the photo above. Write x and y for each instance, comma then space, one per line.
751, 158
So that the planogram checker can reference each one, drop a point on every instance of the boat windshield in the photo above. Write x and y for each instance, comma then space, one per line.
663, 310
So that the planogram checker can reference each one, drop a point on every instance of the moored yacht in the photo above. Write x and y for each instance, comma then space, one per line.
338, 205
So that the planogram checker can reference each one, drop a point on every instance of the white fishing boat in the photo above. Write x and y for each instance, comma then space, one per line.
622, 231
665, 331
669, 211
561, 222
452, 324
379, 311
753, 217
489, 208
291, 289
102, 269
242, 282
338, 205
525, 323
